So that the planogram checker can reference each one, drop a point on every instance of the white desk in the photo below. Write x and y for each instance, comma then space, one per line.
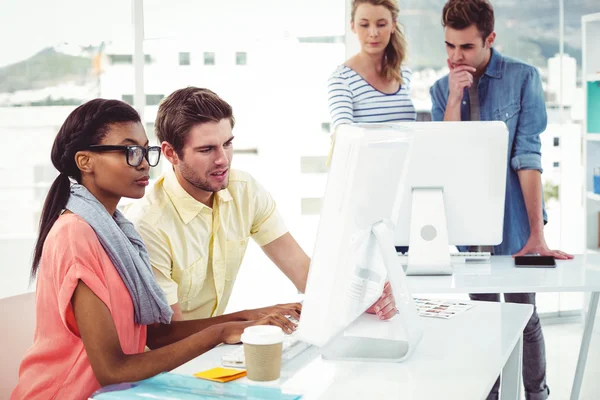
501, 276
458, 358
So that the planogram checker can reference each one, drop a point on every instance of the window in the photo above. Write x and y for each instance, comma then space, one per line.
326, 126
184, 59
127, 98
241, 58
127, 59
154, 99
151, 99
556, 142
556, 164
121, 58
209, 58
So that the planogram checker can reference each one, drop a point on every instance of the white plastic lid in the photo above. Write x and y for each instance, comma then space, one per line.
262, 335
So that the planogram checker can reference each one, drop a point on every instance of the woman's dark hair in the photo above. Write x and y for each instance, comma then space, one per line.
85, 126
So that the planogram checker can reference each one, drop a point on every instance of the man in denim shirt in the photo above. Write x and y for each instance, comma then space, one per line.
486, 86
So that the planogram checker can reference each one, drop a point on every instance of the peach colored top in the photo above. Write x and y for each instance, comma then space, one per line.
57, 366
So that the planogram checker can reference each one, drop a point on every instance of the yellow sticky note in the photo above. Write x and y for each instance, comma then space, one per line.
221, 374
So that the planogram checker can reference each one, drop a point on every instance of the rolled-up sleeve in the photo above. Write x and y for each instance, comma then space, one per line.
267, 224
527, 154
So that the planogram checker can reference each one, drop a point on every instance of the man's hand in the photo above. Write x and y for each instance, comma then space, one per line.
232, 331
537, 244
292, 309
385, 307
460, 77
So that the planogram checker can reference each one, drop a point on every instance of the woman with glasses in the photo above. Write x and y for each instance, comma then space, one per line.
97, 303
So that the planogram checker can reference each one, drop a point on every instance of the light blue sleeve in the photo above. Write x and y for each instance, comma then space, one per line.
527, 153
438, 102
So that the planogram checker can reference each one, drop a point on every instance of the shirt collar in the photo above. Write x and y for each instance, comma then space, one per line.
494, 68
186, 206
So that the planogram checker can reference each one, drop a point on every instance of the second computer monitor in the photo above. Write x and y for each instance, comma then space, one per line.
454, 192
354, 251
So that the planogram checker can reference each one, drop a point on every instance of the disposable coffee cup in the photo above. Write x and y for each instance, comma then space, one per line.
262, 349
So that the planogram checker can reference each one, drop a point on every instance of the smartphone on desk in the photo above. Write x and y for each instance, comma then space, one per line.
535, 262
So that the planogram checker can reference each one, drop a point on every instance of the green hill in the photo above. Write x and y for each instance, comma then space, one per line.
46, 68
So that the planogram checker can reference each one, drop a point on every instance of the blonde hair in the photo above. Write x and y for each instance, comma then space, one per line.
395, 51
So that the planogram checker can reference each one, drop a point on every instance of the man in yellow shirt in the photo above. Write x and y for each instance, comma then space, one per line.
197, 219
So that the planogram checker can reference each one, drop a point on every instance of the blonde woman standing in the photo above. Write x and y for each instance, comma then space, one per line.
372, 86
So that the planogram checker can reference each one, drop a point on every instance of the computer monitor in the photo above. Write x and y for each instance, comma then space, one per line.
454, 192
354, 252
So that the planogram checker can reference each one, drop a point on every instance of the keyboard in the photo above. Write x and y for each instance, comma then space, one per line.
290, 349
458, 258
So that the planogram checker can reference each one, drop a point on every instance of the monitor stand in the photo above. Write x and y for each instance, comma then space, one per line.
370, 339
429, 253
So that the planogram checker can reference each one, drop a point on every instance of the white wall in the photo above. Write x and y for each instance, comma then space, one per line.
569, 78
31, 131
565, 227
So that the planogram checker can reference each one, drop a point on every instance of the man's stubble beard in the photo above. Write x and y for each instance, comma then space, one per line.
202, 184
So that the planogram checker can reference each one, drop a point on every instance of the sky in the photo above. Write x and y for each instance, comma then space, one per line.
27, 26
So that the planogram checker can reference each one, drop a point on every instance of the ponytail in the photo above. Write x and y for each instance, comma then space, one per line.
53, 206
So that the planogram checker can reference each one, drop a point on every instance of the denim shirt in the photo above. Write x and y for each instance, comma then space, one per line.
509, 91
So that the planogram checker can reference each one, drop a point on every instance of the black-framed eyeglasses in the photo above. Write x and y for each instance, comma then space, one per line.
133, 154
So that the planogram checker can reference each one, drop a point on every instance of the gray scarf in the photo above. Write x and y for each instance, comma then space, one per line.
127, 251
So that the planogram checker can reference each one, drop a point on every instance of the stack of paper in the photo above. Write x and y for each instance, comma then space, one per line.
445, 309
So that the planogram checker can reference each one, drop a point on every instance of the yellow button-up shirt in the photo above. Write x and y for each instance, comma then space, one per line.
196, 251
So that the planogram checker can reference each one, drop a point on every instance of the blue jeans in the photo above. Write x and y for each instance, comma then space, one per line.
534, 349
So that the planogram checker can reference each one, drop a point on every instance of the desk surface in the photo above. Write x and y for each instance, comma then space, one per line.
500, 275
457, 358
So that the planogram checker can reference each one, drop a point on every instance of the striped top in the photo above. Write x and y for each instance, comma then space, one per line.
353, 99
